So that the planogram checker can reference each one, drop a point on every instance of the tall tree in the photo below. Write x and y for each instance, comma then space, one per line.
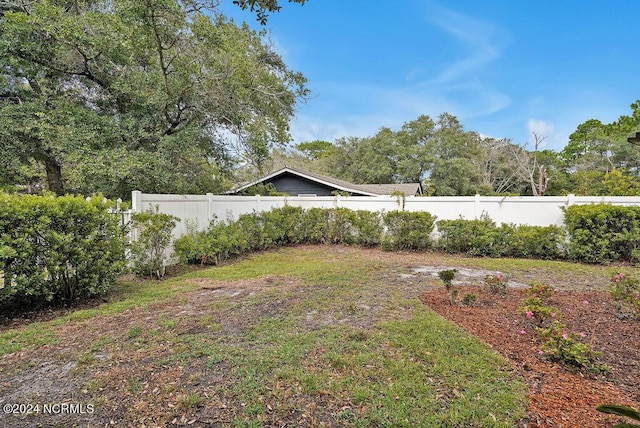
153, 90
596, 149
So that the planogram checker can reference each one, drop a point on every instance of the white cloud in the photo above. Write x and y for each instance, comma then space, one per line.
541, 128
483, 41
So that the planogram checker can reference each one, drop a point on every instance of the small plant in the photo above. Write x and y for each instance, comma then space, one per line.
469, 299
567, 348
534, 309
614, 409
190, 401
626, 292
542, 291
496, 283
447, 278
154, 235
535, 306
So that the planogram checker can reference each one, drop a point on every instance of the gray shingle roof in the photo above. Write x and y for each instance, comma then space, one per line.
408, 189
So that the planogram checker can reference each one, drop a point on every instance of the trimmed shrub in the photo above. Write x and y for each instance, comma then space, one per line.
473, 237
483, 238
56, 250
340, 228
536, 242
368, 227
314, 226
602, 233
407, 230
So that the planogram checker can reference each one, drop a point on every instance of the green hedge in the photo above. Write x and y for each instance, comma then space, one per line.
593, 234
56, 250
293, 225
483, 238
602, 233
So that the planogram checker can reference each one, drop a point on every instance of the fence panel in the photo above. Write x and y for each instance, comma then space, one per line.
200, 210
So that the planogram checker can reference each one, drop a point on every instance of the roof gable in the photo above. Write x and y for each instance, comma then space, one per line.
340, 185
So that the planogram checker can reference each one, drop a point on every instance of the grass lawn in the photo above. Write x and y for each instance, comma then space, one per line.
311, 336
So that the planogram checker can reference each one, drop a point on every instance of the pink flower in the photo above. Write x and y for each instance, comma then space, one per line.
523, 332
529, 314
565, 336
586, 302
582, 335
499, 277
553, 314
535, 295
541, 352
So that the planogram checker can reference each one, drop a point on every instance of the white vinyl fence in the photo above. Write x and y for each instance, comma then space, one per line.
199, 210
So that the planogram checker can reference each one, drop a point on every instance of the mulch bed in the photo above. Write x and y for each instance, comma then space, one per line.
558, 397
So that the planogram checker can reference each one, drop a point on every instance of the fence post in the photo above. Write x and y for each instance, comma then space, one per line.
136, 201
570, 199
258, 202
476, 205
209, 207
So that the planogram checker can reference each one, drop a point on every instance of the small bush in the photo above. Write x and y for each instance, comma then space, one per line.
314, 226
469, 299
473, 237
368, 228
566, 347
535, 308
407, 230
447, 278
626, 292
536, 242
340, 228
496, 283
154, 235
190, 247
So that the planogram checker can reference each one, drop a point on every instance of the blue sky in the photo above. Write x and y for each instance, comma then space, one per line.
503, 67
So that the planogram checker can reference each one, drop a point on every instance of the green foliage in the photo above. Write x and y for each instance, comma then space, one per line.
293, 225
473, 237
567, 348
313, 229
447, 276
268, 189
543, 291
628, 412
56, 250
113, 96
359, 227
535, 309
190, 246
153, 230
535, 242
535, 306
340, 228
483, 238
626, 292
602, 233
406, 230
469, 299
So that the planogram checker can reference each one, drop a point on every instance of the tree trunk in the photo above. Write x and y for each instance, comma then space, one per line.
54, 176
